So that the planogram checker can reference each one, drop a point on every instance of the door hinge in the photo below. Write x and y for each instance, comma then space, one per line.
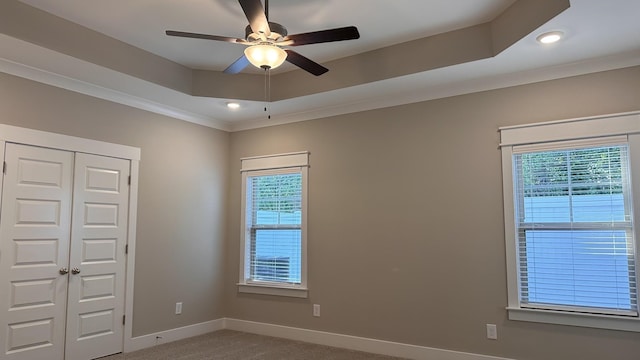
126, 249
123, 318
129, 180
4, 167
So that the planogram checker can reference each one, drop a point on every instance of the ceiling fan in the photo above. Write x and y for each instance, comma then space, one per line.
265, 40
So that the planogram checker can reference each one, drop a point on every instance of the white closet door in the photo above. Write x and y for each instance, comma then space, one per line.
34, 250
99, 232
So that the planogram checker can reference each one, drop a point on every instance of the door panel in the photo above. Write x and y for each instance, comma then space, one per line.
99, 233
35, 222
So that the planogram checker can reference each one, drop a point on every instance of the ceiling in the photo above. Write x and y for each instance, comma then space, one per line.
396, 46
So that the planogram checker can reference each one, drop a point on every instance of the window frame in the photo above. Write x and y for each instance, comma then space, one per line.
297, 162
584, 129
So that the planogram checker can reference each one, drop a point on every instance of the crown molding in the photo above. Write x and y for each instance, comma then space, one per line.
42, 65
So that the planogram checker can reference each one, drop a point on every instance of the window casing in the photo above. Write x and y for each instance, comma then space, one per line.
570, 228
273, 237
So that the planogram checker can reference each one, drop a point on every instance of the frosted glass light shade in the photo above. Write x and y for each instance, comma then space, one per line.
265, 56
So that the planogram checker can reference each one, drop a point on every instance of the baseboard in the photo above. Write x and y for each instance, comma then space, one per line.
311, 336
149, 340
353, 342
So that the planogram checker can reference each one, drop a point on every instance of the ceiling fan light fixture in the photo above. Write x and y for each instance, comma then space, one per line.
265, 56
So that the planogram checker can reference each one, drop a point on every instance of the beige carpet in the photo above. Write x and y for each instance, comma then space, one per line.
234, 345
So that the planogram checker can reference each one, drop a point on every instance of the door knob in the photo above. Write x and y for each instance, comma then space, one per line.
75, 271
64, 271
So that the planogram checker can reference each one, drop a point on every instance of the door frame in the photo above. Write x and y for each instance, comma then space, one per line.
33, 137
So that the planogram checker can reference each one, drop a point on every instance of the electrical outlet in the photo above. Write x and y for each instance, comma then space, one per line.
178, 308
316, 310
492, 332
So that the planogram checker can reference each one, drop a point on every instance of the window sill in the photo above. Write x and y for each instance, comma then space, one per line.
297, 292
610, 322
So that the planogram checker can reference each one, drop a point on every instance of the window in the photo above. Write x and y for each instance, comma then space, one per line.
574, 229
569, 221
273, 225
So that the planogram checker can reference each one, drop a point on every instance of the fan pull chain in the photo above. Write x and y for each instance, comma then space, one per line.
267, 91
269, 94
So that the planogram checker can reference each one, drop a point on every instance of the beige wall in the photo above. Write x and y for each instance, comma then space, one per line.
181, 202
406, 237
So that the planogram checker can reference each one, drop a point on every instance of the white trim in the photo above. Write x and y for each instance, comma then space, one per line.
575, 319
375, 346
131, 255
429, 85
513, 265
277, 161
350, 342
582, 118
36, 63
298, 292
161, 337
571, 129
65, 142
572, 144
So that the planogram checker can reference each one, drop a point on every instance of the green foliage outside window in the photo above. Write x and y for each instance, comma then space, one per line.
280, 193
594, 171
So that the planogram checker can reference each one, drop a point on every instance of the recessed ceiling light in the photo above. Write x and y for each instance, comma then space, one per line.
550, 37
233, 105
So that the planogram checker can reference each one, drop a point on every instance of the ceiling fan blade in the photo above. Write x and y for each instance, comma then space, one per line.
203, 36
255, 14
237, 65
322, 36
305, 63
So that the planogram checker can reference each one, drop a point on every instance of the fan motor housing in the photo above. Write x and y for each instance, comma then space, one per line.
277, 31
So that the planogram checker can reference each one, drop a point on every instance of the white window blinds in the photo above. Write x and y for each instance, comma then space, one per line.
275, 220
574, 230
